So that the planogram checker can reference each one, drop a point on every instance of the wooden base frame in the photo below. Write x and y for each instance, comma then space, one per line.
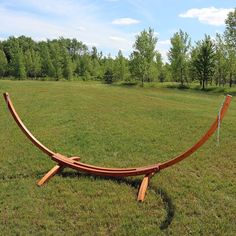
55, 170
148, 171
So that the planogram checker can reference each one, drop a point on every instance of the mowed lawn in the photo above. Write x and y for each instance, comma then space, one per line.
116, 126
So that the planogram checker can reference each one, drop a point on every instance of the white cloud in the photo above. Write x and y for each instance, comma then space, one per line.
211, 15
125, 21
164, 42
121, 43
117, 39
91, 44
70, 19
163, 47
17, 24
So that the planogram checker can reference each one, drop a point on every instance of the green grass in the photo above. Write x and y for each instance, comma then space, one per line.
115, 126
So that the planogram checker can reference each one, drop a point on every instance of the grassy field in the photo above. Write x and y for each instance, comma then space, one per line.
116, 126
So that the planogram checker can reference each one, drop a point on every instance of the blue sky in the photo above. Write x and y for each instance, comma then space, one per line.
111, 25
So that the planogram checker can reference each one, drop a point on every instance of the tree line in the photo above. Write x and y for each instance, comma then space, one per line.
207, 61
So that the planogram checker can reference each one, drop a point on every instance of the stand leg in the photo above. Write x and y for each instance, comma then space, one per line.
56, 169
143, 187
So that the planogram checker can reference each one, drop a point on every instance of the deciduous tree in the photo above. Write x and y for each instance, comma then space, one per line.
143, 55
3, 63
121, 70
230, 38
179, 56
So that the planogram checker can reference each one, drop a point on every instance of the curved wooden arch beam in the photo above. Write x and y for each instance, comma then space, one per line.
65, 161
203, 139
74, 163
23, 127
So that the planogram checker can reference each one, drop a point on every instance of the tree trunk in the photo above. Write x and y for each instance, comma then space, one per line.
181, 77
203, 84
230, 80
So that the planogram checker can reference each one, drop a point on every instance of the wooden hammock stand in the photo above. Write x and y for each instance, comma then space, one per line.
147, 171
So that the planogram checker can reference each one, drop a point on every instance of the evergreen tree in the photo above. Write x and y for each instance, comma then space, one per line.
203, 60
108, 76
94, 53
108, 70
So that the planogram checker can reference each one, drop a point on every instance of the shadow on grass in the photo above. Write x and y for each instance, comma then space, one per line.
217, 90
129, 83
209, 89
125, 84
169, 206
135, 183
177, 86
